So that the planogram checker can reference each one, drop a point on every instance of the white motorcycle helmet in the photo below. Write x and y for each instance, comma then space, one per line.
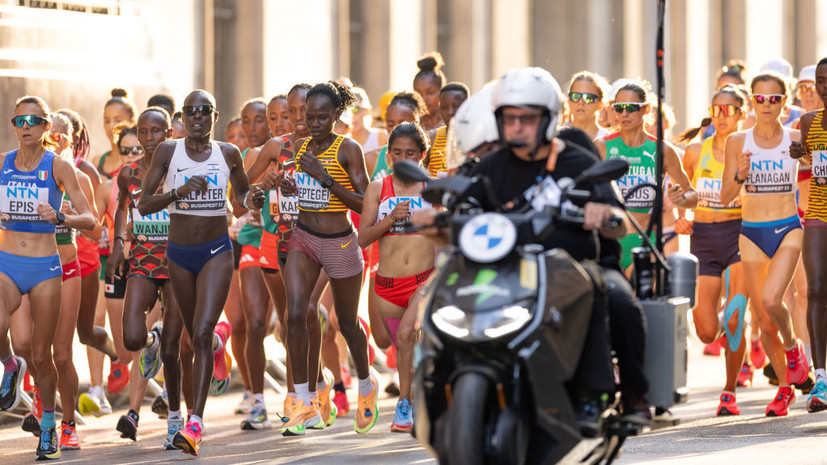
472, 126
530, 87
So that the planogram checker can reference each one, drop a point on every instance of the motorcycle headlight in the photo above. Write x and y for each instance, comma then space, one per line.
477, 326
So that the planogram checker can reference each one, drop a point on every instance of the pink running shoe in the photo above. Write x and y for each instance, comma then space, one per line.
221, 370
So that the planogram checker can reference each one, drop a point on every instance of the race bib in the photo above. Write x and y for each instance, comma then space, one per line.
153, 228
643, 198
387, 206
311, 194
819, 167
771, 175
21, 201
709, 194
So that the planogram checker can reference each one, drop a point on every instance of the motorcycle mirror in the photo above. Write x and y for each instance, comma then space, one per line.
410, 172
607, 170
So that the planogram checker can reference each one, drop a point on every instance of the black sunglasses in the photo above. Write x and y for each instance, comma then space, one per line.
136, 150
191, 110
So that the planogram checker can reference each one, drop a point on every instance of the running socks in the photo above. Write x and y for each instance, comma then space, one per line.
174, 415
48, 420
197, 419
303, 392
821, 375
216, 343
339, 387
258, 400
321, 385
365, 386
9, 364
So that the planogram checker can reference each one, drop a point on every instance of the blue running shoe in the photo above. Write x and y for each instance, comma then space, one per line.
150, 361
818, 398
11, 385
403, 419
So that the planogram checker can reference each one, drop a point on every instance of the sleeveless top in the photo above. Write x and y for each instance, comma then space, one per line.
103, 173
149, 234
381, 169
281, 210
312, 196
707, 181
22, 191
817, 146
387, 202
372, 142
213, 202
436, 165
249, 234
64, 234
795, 115
772, 171
641, 170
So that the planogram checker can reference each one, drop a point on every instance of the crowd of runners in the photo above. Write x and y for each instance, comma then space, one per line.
196, 249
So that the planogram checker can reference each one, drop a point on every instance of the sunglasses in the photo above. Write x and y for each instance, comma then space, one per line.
771, 98
204, 110
357, 109
806, 87
31, 120
723, 110
575, 97
136, 150
628, 107
525, 120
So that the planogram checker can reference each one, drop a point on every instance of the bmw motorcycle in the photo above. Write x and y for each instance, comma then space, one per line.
503, 328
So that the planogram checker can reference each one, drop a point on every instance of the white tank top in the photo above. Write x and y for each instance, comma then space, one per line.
213, 202
372, 142
771, 171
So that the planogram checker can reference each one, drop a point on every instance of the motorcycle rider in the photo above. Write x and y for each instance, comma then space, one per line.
527, 103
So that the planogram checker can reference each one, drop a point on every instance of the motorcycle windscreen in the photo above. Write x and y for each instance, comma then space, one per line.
569, 296
476, 287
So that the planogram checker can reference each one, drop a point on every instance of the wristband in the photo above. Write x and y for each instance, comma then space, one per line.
244, 203
737, 179
118, 237
174, 194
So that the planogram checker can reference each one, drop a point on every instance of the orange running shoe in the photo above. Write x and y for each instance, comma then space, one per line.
367, 412
221, 370
797, 367
326, 407
727, 405
118, 377
783, 399
68, 436
188, 439
302, 417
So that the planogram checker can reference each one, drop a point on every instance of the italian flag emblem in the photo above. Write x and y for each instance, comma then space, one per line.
43, 175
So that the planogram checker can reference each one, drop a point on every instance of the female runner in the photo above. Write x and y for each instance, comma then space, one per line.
199, 251
758, 161
31, 190
427, 83
585, 101
714, 241
451, 97
406, 260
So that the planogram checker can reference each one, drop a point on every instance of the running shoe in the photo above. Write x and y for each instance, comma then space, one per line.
302, 417
757, 354
745, 376
797, 367
727, 406
367, 409
246, 404
105, 407
392, 389
783, 399
150, 361
347, 379
160, 406
128, 425
342, 403
188, 439
403, 419
289, 405
218, 386
808, 385
31, 422
221, 370
173, 426
256, 420
47, 447
11, 386
68, 436
769, 372
118, 377
390, 357
818, 398
328, 408
714, 347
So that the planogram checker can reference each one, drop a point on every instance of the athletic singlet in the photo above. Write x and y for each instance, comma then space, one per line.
436, 165
249, 234
641, 170
22, 191
103, 173
707, 181
64, 234
312, 196
213, 202
771, 171
387, 202
149, 234
795, 115
381, 169
282, 209
817, 145
108, 226
372, 142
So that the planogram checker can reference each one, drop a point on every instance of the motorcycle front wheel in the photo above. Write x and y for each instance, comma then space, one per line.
467, 426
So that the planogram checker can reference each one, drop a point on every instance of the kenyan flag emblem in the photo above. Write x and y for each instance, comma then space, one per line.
42, 175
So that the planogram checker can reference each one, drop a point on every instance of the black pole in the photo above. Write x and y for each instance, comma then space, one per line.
657, 213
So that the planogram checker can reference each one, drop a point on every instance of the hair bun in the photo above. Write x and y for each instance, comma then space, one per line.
118, 92
431, 62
